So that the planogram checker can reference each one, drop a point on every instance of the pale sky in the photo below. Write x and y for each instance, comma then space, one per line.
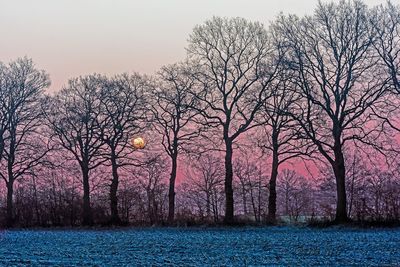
69, 38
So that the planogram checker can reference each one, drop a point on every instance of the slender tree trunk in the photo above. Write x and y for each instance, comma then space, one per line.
259, 201
272, 186
340, 176
36, 200
149, 206
244, 199
115, 219
10, 208
208, 205
171, 193
10, 220
253, 204
229, 209
215, 203
351, 193
2, 145
287, 199
87, 210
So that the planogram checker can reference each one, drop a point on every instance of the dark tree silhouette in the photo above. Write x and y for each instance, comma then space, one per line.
237, 64
22, 141
73, 115
122, 116
4, 81
385, 20
281, 135
337, 79
173, 117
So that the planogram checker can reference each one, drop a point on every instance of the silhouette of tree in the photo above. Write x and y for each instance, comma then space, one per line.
173, 118
122, 116
237, 64
205, 179
281, 135
22, 141
337, 78
385, 21
73, 115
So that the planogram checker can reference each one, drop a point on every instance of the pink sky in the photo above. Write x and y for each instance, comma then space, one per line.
69, 38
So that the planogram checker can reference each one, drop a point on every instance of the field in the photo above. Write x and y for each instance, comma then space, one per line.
278, 246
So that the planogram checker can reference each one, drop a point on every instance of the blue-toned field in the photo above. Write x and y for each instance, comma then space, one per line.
273, 246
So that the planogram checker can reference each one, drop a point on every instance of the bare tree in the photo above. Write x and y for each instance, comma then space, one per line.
122, 116
237, 64
73, 115
173, 118
131, 201
22, 143
281, 135
289, 181
4, 116
205, 177
385, 20
151, 176
251, 184
337, 79
297, 195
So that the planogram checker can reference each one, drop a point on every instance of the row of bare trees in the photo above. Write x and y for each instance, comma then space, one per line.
306, 88
143, 196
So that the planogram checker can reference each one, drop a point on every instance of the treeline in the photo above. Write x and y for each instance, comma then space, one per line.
225, 129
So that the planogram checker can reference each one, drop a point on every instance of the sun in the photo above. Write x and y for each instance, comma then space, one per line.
138, 143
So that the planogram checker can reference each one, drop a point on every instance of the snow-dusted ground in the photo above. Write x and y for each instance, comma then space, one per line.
201, 247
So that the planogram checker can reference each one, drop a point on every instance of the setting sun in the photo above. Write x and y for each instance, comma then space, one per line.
138, 143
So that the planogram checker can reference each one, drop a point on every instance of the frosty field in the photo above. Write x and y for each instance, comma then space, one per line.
201, 247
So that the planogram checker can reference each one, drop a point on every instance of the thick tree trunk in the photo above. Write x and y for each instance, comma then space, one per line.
340, 176
10, 208
87, 210
272, 188
115, 219
171, 193
229, 209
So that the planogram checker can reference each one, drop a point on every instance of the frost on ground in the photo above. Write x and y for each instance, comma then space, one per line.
201, 247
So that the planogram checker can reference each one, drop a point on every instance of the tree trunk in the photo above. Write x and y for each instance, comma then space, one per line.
351, 193
171, 193
10, 208
36, 200
229, 209
272, 187
115, 219
340, 176
244, 199
208, 205
10, 220
87, 210
253, 204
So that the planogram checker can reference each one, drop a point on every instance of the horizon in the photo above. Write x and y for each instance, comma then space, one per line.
260, 133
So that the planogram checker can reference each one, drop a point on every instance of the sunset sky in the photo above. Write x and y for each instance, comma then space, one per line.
69, 38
